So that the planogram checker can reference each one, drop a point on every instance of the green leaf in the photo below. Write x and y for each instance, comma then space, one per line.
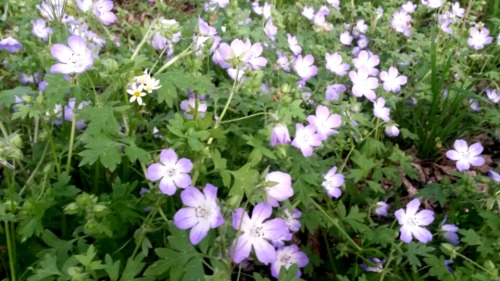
112, 268
56, 90
133, 268
7, 97
417, 249
438, 268
470, 237
47, 268
433, 190
356, 220
245, 181
102, 148
136, 153
364, 163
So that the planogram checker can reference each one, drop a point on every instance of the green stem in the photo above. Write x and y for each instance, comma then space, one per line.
389, 259
336, 224
472, 262
71, 142
52, 148
147, 221
10, 249
186, 52
138, 48
243, 118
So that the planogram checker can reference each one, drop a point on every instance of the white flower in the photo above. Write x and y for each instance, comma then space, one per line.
345, 38
393, 82
465, 155
335, 65
136, 93
152, 84
333, 182
493, 96
411, 222
392, 131
380, 111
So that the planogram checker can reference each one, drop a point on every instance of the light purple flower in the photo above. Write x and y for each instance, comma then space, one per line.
363, 42
380, 111
401, 22
332, 183
495, 177
256, 61
392, 131
220, 3
334, 64
52, 9
291, 219
456, 11
236, 54
304, 67
172, 171
189, 107
40, 29
68, 112
465, 155
280, 135
447, 264
283, 61
76, 58
393, 82
201, 213
363, 85
361, 26
335, 4
159, 42
84, 5
320, 16
379, 265
10, 44
324, 122
381, 209
305, 139
308, 12
345, 38
256, 232
493, 96
286, 257
433, 4
450, 233
368, 62
409, 7
293, 44
281, 188
333, 92
271, 30
479, 38
444, 23
411, 222
102, 10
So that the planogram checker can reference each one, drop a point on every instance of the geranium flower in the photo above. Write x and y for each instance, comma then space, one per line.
450, 233
172, 171
334, 64
304, 67
76, 58
465, 155
271, 30
333, 92
305, 139
201, 213
393, 82
493, 96
479, 38
324, 122
392, 131
401, 22
409, 7
332, 183
380, 111
379, 265
291, 219
281, 189
52, 9
102, 10
363, 85
367, 61
411, 222
68, 112
283, 61
345, 38
40, 29
189, 107
433, 4
280, 135
84, 5
293, 44
256, 232
286, 257
381, 209
236, 54
308, 12
10, 44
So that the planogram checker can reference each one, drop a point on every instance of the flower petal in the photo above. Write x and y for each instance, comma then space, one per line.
261, 212
264, 251
192, 197
425, 217
184, 165
405, 234
168, 157
242, 250
412, 207
182, 180
198, 232
155, 172
185, 218
475, 149
167, 186
421, 234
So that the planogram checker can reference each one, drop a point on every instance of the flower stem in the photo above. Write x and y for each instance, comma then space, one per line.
138, 48
243, 118
71, 142
10, 249
336, 224
472, 262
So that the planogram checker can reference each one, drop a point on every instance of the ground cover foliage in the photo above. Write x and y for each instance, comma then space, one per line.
249, 140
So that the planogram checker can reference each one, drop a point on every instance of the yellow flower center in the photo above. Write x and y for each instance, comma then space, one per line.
137, 94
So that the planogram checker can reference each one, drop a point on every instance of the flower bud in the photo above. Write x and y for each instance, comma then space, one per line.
280, 135
72, 209
392, 131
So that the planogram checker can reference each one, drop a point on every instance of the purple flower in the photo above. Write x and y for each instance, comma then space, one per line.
332, 183
433, 4
333, 92
334, 64
401, 22
84, 5
465, 155
363, 85
447, 264
291, 219
256, 61
52, 9
236, 54
479, 38
367, 61
409, 7
380, 111
256, 232
392, 131
308, 12
189, 107
493, 96
10, 44
40, 29
220, 3
363, 42
456, 11
68, 112
495, 177
270, 29
293, 44
102, 10
76, 58
444, 23
278, 187
280, 135
450, 233
159, 42
172, 171
201, 213
305, 139
345, 38
393, 82
286, 257
381, 209
324, 122
320, 16
304, 67
379, 265
283, 61
411, 222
